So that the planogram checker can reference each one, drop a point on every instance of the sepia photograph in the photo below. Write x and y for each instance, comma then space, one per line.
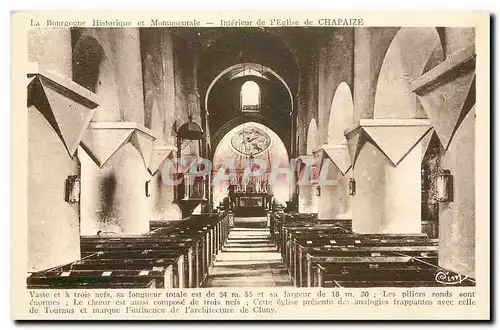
251, 154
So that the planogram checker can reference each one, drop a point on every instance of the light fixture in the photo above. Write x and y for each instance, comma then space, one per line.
72, 193
146, 188
191, 131
352, 187
444, 184
318, 190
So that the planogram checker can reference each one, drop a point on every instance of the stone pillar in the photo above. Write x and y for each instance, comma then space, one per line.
168, 84
129, 75
53, 137
114, 196
334, 201
364, 86
307, 199
162, 196
453, 118
172, 211
117, 149
457, 218
386, 157
53, 168
159, 89
114, 176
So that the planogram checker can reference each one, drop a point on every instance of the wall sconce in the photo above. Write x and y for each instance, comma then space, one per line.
318, 191
146, 188
352, 187
444, 184
72, 193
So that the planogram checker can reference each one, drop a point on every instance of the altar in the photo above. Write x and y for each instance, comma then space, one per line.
251, 204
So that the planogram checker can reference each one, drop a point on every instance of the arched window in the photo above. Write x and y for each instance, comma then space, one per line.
250, 96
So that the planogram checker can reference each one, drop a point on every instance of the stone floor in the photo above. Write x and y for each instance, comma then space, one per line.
248, 259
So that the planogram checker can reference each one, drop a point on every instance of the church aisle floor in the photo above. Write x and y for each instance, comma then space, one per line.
248, 259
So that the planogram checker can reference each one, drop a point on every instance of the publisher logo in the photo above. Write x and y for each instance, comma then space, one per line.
446, 278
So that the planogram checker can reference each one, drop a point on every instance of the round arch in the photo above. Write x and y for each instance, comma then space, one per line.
312, 137
241, 66
272, 48
93, 70
341, 114
411, 52
88, 55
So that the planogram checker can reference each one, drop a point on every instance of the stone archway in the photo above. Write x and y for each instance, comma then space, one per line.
312, 137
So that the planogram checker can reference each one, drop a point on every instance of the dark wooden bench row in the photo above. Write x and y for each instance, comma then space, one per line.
177, 255
90, 278
281, 222
394, 271
299, 242
305, 242
328, 253
302, 257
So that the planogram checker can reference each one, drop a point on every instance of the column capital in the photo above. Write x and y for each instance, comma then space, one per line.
447, 93
314, 163
103, 139
338, 154
67, 106
394, 137
158, 156
306, 159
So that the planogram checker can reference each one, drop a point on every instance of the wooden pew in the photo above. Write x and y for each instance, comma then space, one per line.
141, 246
318, 254
325, 227
304, 266
76, 279
194, 251
373, 247
281, 222
380, 260
175, 255
291, 233
215, 234
407, 272
300, 243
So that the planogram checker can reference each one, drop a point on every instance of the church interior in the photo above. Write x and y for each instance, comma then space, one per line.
365, 138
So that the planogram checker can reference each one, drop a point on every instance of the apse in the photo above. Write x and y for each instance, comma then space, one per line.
256, 146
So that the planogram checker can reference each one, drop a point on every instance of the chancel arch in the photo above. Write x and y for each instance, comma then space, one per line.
248, 70
270, 94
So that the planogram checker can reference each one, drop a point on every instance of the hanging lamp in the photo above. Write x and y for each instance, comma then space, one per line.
191, 131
